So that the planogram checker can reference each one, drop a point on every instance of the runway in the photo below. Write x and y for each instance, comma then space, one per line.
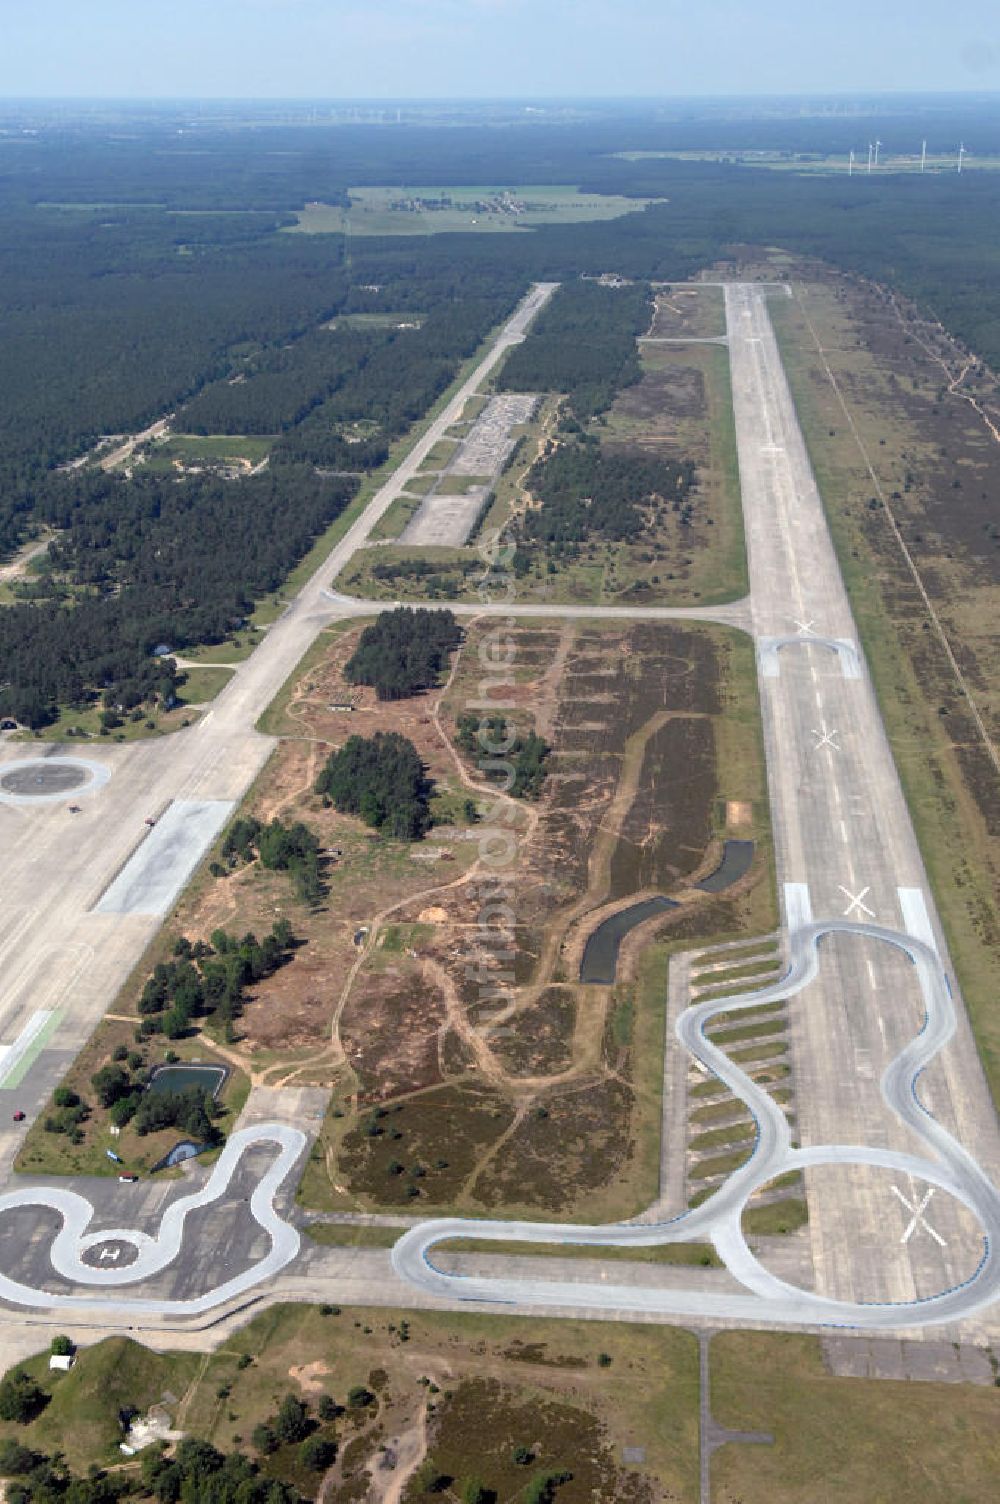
888, 1081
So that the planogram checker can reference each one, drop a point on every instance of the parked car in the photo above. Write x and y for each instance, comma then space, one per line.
127, 1179
19, 1116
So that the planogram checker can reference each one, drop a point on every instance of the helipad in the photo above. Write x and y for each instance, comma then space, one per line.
47, 779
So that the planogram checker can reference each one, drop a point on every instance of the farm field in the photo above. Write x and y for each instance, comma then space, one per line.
471, 210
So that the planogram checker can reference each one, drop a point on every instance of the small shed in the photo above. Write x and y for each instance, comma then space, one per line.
62, 1361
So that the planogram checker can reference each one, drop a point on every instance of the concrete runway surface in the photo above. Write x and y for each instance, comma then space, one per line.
890, 1093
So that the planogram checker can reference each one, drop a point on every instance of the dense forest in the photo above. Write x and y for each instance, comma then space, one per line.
403, 651
585, 490
584, 344
112, 315
147, 563
381, 779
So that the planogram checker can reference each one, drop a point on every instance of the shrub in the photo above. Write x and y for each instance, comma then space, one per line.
264, 1439
317, 1453
292, 1422
21, 1398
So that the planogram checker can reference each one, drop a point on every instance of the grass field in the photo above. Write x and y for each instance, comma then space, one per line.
187, 450
866, 1441
698, 1255
81, 1417
469, 210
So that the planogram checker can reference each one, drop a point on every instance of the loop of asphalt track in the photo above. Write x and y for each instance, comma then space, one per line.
156, 1254
769, 1299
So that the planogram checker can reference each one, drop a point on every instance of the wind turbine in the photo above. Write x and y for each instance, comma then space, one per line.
961, 154
850, 166
877, 147
870, 150
923, 156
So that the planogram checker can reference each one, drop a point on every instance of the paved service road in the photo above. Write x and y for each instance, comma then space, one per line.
888, 1082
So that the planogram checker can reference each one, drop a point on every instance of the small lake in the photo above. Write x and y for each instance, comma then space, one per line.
183, 1077
600, 956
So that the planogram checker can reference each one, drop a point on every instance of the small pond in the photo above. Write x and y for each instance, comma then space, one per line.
183, 1077
736, 859
186, 1149
600, 956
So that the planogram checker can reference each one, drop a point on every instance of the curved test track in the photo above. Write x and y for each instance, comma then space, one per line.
719, 1219
156, 1254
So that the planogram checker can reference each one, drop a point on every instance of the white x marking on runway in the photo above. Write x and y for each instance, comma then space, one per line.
917, 1220
856, 902
827, 739
805, 627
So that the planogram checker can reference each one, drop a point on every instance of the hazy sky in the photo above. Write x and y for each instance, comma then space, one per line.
493, 48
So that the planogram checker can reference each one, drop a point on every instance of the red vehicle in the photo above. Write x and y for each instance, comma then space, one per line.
150, 820
19, 1116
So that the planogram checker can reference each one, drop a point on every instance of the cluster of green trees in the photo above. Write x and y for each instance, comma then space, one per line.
71, 1111
22, 1398
583, 344
586, 489
128, 1101
493, 739
197, 1471
210, 980
403, 651
381, 779
191, 1110
294, 849
293, 1424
